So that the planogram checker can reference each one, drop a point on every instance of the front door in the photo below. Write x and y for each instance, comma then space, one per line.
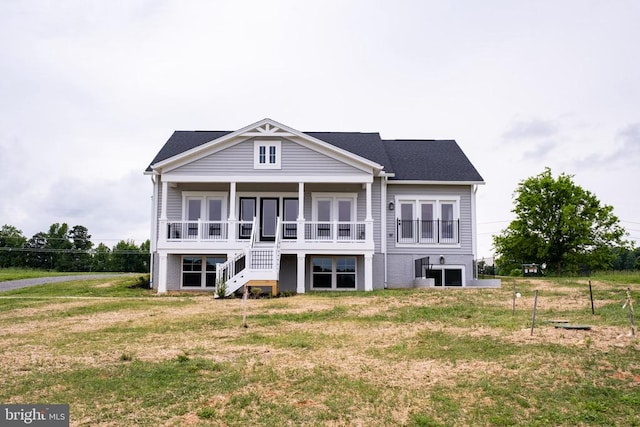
268, 218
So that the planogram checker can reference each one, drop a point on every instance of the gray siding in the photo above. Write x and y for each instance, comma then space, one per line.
401, 258
464, 192
238, 160
288, 273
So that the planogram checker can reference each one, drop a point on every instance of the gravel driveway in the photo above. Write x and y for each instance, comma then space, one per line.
23, 283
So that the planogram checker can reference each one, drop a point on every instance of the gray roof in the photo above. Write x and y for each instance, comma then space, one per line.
422, 160
430, 160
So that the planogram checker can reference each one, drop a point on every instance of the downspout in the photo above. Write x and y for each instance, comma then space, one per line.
154, 220
383, 224
474, 233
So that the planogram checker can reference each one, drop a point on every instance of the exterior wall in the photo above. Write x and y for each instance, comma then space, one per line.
288, 273
295, 160
464, 192
401, 267
378, 271
174, 268
401, 258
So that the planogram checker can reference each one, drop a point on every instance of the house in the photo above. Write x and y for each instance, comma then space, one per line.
270, 206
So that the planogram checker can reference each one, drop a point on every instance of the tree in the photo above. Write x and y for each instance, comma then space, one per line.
559, 224
101, 260
128, 257
11, 238
80, 244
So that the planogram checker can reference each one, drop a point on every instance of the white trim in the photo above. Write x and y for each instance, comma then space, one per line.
334, 272
407, 182
267, 144
416, 200
203, 272
204, 196
335, 199
279, 130
346, 179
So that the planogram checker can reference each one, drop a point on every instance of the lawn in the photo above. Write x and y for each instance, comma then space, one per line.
432, 357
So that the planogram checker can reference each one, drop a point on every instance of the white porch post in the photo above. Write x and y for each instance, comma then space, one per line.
163, 212
301, 274
369, 216
162, 273
368, 272
232, 212
300, 219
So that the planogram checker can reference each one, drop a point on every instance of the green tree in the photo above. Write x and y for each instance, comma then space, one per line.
11, 238
38, 255
559, 224
101, 260
128, 257
81, 245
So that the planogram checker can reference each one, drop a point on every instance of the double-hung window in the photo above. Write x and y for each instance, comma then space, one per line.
266, 154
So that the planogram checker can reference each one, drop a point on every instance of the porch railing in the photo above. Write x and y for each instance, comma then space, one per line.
428, 231
335, 231
314, 231
197, 230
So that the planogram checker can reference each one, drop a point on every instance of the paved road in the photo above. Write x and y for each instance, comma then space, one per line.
23, 283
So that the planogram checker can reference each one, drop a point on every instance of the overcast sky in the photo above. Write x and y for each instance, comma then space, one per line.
90, 91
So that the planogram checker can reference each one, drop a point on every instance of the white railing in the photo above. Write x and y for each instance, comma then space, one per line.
252, 263
197, 230
314, 231
335, 231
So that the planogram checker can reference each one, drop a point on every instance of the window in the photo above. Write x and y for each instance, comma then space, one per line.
447, 276
333, 273
200, 271
427, 221
331, 211
290, 215
266, 155
207, 210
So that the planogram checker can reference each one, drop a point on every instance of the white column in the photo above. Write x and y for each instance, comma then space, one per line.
232, 201
232, 212
301, 274
165, 192
162, 273
369, 216
368, 272
300, 218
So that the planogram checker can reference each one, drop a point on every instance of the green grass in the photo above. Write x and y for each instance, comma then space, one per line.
118, 287
122, 356
21, 273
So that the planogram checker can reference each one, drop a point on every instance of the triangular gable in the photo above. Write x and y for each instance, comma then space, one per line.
267, 128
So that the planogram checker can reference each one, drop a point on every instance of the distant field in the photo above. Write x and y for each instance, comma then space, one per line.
434, 357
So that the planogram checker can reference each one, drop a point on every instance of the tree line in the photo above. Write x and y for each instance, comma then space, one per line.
64, 248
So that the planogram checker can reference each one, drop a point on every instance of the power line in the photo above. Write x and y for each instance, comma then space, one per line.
73, 251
